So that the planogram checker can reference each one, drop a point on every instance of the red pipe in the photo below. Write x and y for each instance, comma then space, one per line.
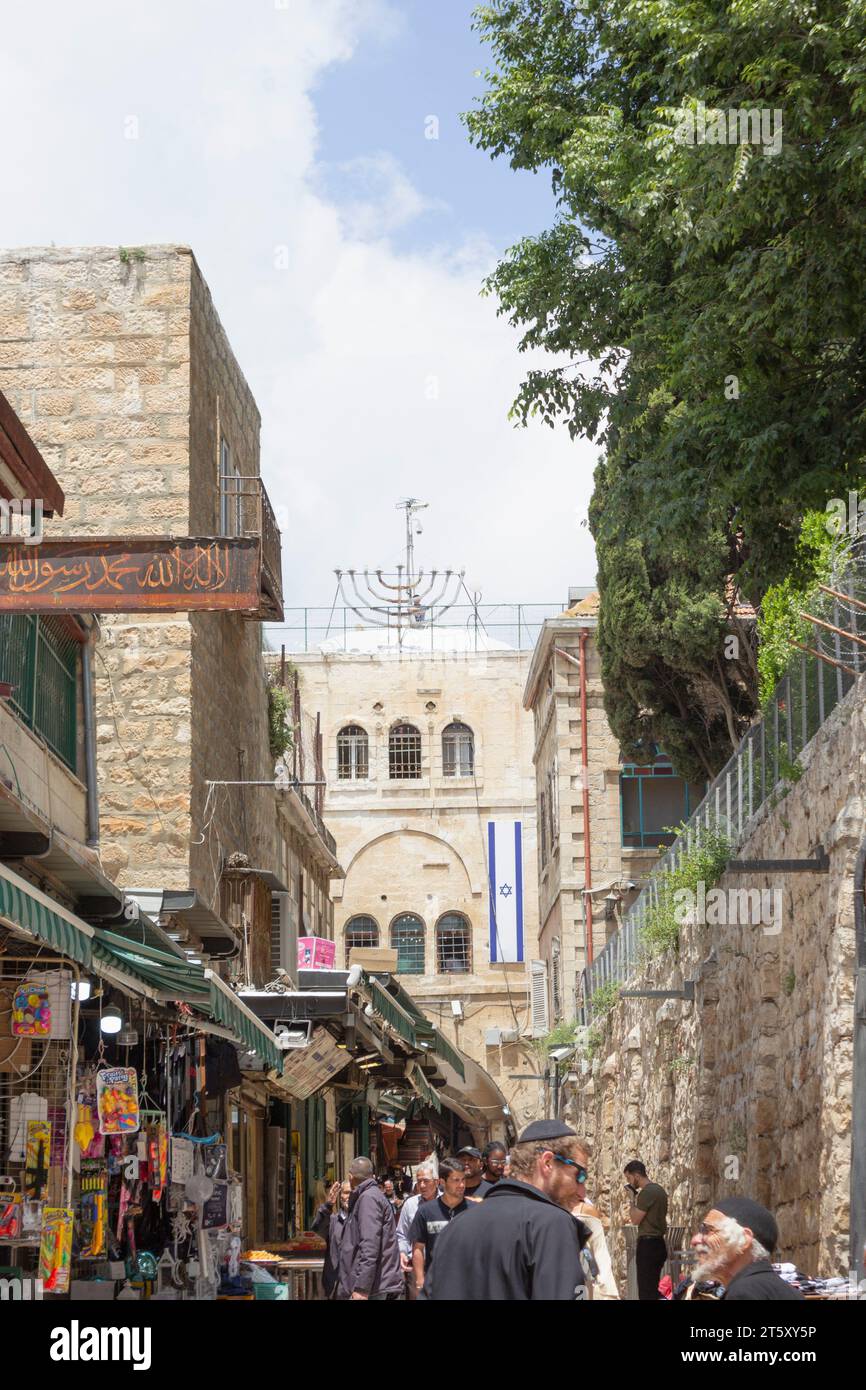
584, 759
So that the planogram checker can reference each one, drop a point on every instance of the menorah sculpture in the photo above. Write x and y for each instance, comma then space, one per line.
413, 601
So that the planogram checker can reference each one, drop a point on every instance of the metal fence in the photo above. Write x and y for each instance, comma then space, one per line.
40, 662
816, 681
467, 626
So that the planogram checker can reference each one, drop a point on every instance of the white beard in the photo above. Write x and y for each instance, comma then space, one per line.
708, 1268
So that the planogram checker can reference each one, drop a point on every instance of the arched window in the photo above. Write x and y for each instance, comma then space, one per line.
404, 751
453, 945
362, 932
407, 939
352, 753
458, 751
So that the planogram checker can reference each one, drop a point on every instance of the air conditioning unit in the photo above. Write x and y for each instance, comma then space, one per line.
495, 1037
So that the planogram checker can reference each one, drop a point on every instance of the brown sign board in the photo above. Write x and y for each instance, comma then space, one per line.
130, 574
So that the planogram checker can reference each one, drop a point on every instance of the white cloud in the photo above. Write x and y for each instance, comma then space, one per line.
379, 371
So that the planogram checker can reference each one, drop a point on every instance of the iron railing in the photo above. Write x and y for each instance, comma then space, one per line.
468, 626
245, 510
40, 662
816, 681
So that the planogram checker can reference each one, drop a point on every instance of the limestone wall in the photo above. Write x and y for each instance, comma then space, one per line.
420, 846
749, 1089
117, 364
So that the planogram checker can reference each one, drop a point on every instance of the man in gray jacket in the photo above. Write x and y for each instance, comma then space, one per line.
369, 1253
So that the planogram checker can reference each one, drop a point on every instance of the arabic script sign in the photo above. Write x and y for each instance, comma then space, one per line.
130, 574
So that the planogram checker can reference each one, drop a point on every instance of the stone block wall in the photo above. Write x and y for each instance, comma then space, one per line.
117, 364
748, 1090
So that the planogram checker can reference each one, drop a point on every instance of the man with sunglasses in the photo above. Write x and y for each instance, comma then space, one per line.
521, 1243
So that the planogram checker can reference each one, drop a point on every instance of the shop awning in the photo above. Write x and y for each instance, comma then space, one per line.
226, 1008
391, 1009
32, 911
424, 1089
423, 1032
155, 972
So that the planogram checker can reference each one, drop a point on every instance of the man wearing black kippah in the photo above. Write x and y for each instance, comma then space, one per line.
734, 1245
521, 1243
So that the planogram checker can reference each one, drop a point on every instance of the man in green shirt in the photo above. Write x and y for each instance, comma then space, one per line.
648, 1210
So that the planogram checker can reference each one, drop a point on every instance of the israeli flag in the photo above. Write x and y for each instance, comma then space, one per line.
505, 869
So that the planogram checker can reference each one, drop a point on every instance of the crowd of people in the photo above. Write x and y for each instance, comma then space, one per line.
518, 1225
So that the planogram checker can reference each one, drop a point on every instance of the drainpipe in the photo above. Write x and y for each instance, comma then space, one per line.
858, 1088
584, 761
90, 741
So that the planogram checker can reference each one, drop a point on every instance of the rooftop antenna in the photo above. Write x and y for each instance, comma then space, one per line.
414, 599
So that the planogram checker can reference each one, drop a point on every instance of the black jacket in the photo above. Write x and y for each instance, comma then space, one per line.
330, 1224
516, 1245
760, 1281
369, 1253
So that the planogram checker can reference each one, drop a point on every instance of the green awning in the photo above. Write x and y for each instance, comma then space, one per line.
423, 1032
424, 1089
173, 978
24, 906
392, 1011
442, 1047
227, 1009
33, 912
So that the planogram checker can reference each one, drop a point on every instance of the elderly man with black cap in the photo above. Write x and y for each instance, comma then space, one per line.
521, 1243
734, 1245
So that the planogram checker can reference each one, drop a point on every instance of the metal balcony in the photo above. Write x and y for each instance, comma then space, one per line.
245, 510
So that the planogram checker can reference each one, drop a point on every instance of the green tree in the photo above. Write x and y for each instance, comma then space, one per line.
705, 304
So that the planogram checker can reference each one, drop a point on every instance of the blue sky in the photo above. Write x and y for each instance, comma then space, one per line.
345, 253
380, 101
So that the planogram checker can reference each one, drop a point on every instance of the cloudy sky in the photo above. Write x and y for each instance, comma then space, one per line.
287, 141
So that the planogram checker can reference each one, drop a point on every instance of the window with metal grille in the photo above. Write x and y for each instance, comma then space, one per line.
407, 939
361, 932
458, 751
40, 659
453, 945
404, 751
653, 799
353, 760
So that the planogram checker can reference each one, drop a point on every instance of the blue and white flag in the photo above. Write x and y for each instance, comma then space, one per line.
505, 867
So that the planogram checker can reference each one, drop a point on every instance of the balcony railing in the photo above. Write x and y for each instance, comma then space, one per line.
815, 683
40, 662
245, 510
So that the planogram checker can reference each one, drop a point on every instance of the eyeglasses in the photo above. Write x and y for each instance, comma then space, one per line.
580, 1175
705, 1230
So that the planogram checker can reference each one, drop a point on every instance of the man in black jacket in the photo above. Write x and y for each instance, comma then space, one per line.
735, 1244
369, 1253
521, 1243
328, 1223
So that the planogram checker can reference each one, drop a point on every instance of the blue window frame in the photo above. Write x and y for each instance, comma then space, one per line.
652, 797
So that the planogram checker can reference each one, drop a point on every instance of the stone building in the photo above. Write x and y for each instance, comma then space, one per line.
423, 749
600, 821
118, 365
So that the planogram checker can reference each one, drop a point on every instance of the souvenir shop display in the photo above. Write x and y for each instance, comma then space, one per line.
31, 1012
117, 1100
55, 1250
36, 1157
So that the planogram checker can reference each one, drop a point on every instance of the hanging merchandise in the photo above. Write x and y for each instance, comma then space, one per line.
181, 1158
55, 1251
28, 1106
31, 1220
94, 1209
10, 1210
15, 1052
117, 1100
31, 1012
36, 1158
157, 1159
58, 984
214, 1160
215, 1209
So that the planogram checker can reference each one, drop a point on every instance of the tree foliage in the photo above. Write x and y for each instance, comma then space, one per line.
706, 306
